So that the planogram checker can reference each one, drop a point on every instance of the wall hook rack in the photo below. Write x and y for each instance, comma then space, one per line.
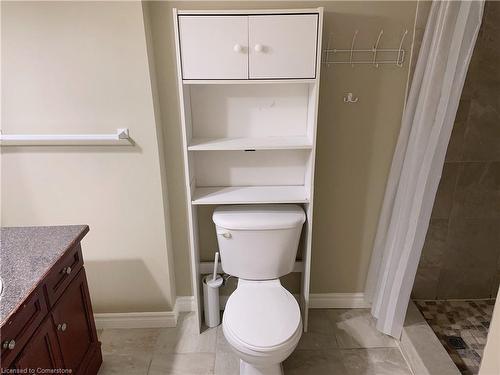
394, 56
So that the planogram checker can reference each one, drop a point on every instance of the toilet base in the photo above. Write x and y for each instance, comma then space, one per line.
247, 369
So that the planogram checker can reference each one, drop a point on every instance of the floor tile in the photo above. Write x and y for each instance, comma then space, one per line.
355, 328
182, 350
314, 362
320, 332
376, 361
182, 364
222, 344
127, 341
120, 364
460, 320
185, 338
226, 363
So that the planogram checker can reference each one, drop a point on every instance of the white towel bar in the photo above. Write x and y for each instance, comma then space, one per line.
121, 137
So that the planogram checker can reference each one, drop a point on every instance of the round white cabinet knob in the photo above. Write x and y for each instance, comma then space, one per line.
237, 48
259, 48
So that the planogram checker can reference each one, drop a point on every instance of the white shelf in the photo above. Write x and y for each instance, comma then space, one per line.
245, 81
120, 138
249, 194
266, 143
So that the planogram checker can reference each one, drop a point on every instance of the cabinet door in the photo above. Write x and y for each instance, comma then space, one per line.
21, 326
283, 46
214, 47
74, 322
42, 351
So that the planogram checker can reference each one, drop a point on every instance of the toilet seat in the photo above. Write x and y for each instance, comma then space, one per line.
262, 316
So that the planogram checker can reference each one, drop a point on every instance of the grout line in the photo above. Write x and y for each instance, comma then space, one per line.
149, 365
470, 161
406, 359
451, 299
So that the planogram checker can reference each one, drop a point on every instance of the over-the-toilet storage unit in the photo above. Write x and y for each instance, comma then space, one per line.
248, 88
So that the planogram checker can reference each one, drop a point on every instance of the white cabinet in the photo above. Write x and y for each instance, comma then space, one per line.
248, 94
282, 46
270, 46
214, 47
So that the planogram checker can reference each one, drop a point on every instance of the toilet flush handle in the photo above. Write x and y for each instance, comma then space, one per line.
226, 235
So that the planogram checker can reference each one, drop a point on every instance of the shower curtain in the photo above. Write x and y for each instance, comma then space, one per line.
439, 76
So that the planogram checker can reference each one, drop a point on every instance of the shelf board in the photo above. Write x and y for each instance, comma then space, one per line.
265, 143
249, 194
245, 81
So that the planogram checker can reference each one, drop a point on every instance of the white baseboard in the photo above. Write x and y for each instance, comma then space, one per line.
316, 301
162, 319
337, 301
166, 319
184, 304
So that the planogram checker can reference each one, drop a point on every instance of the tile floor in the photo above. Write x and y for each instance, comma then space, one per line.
462, 328
339, 341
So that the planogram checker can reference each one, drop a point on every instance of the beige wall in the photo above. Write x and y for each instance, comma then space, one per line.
355, 142
82, 67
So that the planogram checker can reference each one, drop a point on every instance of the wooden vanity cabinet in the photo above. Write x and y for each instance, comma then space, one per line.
54, 328
42, 350
74, 323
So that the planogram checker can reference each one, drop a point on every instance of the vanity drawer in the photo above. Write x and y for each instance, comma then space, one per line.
62, 273
16, 331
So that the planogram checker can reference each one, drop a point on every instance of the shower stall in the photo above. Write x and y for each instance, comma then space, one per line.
459, 272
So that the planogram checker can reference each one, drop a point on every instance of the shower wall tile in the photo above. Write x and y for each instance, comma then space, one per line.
477, 193
431, 261
456, 144
426, 283
435, 244
444, 196
461, 255
496, 282
471, 258
482, 134
492, 15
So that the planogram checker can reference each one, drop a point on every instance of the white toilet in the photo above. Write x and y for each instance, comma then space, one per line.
258, 244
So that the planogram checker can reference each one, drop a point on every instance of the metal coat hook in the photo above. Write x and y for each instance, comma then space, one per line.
352, 46
401, 52
390, 56
375, 48
350, 98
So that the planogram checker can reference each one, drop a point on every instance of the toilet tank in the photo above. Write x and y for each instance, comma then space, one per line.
258, 242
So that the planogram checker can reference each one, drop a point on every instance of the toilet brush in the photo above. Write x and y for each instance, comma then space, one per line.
211, 285
216, 263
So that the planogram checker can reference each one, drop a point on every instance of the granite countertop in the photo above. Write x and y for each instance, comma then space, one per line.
26, 255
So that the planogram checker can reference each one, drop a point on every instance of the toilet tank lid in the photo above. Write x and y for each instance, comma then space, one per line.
259, 217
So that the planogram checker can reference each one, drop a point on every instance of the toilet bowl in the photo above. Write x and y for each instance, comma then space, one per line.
262, 324
261, 321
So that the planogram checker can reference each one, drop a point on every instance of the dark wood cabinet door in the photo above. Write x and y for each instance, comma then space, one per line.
42, 350
22, 325
74, 323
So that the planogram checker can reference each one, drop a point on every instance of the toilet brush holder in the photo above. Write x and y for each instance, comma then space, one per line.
211, 299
